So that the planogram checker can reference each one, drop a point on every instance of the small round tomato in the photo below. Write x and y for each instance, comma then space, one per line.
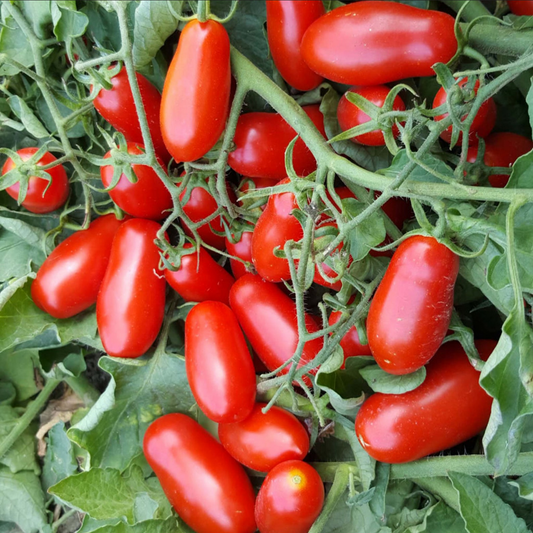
264, 440
501, 150
242, 249
349, 115
521, 7
447, 409
290, 499
412, 307
350, 343
42, 196
147, 197
219, 366
208, 489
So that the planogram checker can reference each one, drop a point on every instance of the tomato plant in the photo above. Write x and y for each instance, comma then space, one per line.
243, 249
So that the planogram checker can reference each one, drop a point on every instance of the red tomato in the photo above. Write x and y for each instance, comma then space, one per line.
350, 343
261, 140
131, 302
371, 43
209, 490
69, 280
349, 115
447, 409
501, 150
268, 318
116, 105
287, 21
521, 7
242, 249
37, 200
412, 307
196, 94
147, 198
290, 499
483, 123
263, 441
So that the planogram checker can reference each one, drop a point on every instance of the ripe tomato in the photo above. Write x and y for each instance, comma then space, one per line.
483, 123
287, 22
521, 7
371, 43
242, 249
263, 441
219, 366
261, 140
350, 115
116, 105
204, 484
200, 278
131, 302
69, 280
268, 318
290, 499
447, 409
147, 198
350, 343
196, 94
412, 307
501, 150
37, 200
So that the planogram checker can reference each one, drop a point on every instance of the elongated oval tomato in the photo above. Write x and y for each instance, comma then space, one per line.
69, 280
290, 499
200, 278
261, 140
37, 200
131, 302
206, 486
447, 409
287, 21
263, 441
350, 343
219, 366
412, 307
147, 197
196, 94
376, 42
521, 7
242, 249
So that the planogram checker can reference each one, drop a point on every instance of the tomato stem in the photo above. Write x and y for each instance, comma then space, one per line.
203, 10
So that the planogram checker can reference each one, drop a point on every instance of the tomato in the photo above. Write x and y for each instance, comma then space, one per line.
350, 343
131, 302
200, 278
501, 150
37, 200
268, 318
376, 42
243, 249
349, 115
147, 197
290, 499
219, 366
483, 123
69, 280
116, 105
521, 7
447, 409
208, 489
287, 22
412, 307
196, 94
261, 140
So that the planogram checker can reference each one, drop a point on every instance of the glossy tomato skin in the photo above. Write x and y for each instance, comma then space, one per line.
350, 343
209, 490
290, 499
263, 441
196, 93
116, 105
447, 409
69, 280
200, 278
242, 249
37, 200
521, 7
287, 21
376, 42
219, 366
131, 302
147, 198
261, 140
412, 307
501, 150
349, 115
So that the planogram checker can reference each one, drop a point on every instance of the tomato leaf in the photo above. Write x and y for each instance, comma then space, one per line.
17, 367
381, 381
14, 44
525, 486
59, 461
32, 124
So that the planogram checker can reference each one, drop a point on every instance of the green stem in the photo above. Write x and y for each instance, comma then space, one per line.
497, 39
83, 389
203, 10
56, 525
472, 11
